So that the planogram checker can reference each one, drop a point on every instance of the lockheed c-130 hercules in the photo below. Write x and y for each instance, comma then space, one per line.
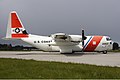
61, 42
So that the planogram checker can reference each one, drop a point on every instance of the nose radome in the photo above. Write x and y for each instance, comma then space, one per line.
115, 46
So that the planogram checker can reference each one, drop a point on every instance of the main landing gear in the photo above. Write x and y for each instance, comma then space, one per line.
104, 52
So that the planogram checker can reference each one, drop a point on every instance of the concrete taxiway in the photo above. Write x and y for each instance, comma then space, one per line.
110, 59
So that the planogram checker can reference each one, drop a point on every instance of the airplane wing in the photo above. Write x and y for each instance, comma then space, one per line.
65, 39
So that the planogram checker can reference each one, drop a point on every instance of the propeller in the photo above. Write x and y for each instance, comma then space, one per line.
83, 38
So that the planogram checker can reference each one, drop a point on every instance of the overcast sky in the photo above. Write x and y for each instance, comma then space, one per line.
45, 17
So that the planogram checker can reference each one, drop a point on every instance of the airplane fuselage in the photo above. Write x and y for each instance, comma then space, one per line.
92, 43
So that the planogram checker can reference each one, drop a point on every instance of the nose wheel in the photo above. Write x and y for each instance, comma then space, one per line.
105, 52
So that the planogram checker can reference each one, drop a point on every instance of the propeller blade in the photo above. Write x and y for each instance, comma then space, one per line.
83, 38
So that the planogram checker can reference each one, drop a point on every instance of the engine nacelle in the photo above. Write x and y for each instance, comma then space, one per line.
60, 37
75, 38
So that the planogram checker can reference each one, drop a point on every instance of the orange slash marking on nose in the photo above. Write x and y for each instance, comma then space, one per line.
93, 43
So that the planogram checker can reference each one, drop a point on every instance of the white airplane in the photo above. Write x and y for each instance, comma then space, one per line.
61, 42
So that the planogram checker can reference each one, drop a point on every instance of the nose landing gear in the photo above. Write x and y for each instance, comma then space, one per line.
104, 52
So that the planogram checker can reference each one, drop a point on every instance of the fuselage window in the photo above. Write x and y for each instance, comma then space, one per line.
110, 42
38, 41
108, 39
45, 41
34, 41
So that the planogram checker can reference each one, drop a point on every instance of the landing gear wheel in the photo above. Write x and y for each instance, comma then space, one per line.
65, 53
105, 52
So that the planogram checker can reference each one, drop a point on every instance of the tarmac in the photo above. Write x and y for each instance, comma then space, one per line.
110, 59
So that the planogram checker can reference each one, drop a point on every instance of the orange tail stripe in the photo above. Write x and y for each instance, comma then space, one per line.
19, 35
15, 23
93, 43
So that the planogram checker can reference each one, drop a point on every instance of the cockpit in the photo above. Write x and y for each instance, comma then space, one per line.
108, 39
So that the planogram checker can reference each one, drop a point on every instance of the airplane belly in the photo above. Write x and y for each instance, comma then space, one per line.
45, 47
67, 49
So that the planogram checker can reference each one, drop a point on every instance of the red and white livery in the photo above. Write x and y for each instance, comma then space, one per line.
61, 42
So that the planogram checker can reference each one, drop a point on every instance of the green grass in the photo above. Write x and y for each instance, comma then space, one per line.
30, 69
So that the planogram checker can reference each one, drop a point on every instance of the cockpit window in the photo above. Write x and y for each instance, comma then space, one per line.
108, 39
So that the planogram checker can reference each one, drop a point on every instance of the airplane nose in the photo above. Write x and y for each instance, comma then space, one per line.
115, 46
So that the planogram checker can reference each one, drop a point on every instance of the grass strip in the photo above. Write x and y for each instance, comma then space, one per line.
30, 69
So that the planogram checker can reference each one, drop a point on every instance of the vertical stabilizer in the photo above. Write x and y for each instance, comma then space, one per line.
15, 28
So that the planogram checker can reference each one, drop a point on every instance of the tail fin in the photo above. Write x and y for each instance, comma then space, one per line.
15, 28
